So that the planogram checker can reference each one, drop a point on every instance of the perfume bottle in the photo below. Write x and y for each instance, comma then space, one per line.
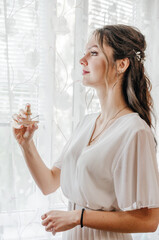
25, 121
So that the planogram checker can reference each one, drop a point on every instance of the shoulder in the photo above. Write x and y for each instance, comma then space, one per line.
137, 140
132, 128
139, 131
135, 124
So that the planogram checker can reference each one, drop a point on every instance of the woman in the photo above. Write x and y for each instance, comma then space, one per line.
108, 168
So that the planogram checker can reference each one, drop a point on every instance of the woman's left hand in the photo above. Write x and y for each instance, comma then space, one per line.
59, 221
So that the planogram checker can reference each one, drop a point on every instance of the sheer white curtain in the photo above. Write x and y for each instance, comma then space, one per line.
41, 42
40, 45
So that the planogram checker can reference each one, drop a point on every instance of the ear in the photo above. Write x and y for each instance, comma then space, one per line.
122, 65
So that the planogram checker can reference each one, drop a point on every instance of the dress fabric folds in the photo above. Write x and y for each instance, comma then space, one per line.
118, 172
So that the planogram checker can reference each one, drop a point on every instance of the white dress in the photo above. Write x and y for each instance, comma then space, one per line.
117, 173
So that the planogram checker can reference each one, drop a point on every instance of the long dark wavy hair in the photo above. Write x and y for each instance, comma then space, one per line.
129, 42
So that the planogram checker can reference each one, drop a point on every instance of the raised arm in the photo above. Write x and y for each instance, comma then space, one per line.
47, 179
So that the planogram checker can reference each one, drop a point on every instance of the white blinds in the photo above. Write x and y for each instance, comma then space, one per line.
108, 12
19, 57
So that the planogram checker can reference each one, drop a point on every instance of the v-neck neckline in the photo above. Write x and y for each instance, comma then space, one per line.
93, 126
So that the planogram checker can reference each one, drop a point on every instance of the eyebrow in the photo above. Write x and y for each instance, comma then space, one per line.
93, 46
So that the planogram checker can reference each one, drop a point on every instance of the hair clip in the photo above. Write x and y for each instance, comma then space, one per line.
138, 56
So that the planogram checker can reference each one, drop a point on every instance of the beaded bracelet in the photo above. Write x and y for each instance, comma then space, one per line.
82, 217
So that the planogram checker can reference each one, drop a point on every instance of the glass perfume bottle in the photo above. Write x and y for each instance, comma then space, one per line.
25, 121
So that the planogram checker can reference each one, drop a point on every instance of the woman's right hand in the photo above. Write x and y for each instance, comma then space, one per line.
23, 133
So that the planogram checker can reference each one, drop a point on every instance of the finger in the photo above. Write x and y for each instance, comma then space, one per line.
22, 114
29, 131
15, 117
17, 125
35, 125
43, 216
46, 221
53, 232
15, 130
18, 136
30, 128
46, 214
26, 134
49, 227
17, 121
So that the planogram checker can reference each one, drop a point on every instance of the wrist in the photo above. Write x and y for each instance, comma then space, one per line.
81, 221
77, 217
27, 145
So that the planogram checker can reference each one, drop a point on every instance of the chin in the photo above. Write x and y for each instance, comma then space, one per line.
88, 83
85, 83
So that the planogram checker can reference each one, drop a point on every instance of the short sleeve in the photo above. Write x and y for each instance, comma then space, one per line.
136, 176
59, 161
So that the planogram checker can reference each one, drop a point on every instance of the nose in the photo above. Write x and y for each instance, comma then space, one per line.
83, 61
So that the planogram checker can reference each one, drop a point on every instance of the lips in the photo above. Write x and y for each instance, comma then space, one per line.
85, 72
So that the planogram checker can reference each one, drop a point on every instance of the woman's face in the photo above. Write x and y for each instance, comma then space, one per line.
95, 64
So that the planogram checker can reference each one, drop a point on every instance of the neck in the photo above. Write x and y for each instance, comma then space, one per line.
111, 101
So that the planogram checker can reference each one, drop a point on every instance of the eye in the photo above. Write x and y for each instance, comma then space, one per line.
94, 53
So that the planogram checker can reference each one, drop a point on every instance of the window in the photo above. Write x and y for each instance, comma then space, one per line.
41, 42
